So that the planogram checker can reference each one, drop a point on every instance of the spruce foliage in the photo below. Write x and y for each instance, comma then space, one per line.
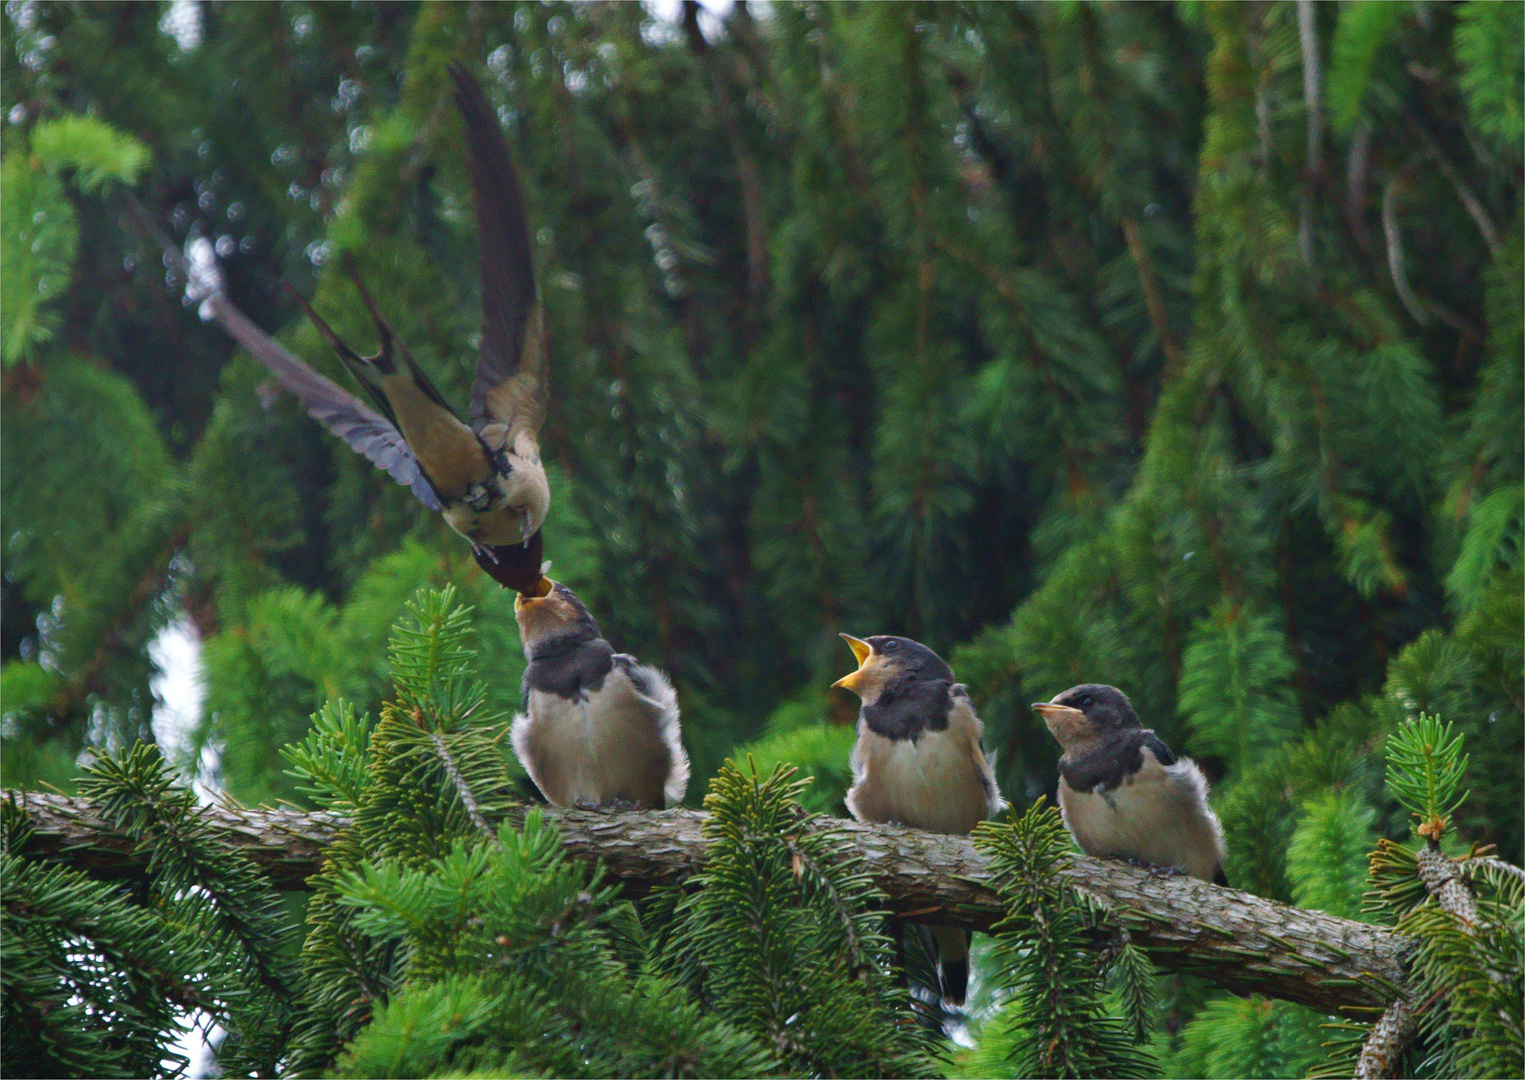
782, 938
449, 934
1074, 340
517, 962
1469, 966
98, 975
1057, 1022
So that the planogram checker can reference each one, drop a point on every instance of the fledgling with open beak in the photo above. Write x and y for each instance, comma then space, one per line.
597, 727
1123, 794
919, 761
484, 476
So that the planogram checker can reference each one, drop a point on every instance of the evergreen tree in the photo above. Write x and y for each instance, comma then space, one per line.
1177, 347
448, 933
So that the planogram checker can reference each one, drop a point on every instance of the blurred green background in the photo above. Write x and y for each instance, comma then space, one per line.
1147, 344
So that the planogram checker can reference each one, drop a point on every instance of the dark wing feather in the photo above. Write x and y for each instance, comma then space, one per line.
366, 432
1158, 748
508, 268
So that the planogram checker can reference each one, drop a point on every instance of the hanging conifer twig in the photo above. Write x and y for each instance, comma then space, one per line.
1395, 263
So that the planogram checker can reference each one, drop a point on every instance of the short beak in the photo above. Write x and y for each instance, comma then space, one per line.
1061, 719
538, 591
863, 651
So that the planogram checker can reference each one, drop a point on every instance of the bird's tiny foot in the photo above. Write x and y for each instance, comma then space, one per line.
608, 806
484, 552
1154, 869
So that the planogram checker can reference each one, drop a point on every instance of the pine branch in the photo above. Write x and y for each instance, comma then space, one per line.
1237, 940
1395, 264
462, 789
1464, 192
1307, 33
1154, 301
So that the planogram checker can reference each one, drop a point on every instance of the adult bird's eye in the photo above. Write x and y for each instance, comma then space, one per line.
1087, 701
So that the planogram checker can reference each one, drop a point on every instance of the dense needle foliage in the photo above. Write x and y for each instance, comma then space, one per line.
438, 943
1177, 347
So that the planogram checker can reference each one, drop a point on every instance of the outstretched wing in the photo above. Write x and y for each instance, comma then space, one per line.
510, 386
365, 431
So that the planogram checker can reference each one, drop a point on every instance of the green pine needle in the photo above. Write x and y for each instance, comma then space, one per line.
1425, 770
1057, 1023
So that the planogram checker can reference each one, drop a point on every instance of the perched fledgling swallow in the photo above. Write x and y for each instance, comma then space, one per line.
919, 761
1122, 793
597, 727
485, 476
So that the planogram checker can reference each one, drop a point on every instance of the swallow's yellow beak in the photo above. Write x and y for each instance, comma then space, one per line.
538, 591
863, 651
1062, 720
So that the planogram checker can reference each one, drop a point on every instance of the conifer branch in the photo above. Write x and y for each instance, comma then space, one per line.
462, 789
1307, 33
1237, 940
1497, 865
1420, 308
1389, 1037
1357, 172
1464, 192
1395, 249
1425, 772
1154, 301
752, 196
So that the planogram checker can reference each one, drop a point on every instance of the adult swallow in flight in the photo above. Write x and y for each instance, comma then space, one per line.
1123, 794
484, 476
919, 761
598, 727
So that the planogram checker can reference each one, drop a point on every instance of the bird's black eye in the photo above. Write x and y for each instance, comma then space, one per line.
891, 646
1087, 701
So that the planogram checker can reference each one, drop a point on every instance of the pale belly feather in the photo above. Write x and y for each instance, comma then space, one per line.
604, 747
933, 783
1158, 815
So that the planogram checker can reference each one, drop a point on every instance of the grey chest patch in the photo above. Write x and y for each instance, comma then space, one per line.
573, 668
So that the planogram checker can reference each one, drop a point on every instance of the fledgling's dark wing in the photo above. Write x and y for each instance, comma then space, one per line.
361, 428
510, 384
1157, 747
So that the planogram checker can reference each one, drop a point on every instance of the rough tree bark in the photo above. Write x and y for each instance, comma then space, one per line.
1391, 1035
1235, 939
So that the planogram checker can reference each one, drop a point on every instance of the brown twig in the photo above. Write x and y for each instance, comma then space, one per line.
1170, 344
